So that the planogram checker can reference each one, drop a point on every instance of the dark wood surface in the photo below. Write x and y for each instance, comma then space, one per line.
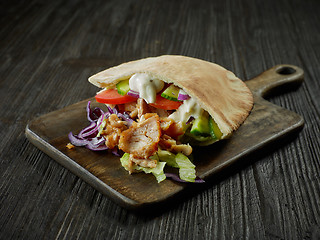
47, 52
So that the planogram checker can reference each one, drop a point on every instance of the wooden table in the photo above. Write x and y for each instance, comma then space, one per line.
48, 50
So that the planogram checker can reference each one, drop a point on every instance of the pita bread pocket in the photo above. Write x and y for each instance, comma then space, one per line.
159, 107
218, 91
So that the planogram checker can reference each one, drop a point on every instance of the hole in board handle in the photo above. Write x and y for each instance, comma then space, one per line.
286, 70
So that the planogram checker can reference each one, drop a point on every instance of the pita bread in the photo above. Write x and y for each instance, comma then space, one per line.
218, 91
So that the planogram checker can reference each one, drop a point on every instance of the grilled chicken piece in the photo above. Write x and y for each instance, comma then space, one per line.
168, 143
130, 108
171, 128
141, 139
112, 131
149, 163
142, 107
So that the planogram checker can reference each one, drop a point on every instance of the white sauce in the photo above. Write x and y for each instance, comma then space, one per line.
148, 89
145, 86
189, 108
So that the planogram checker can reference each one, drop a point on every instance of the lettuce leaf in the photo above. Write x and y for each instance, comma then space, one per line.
187, 170
157, 171
167, 157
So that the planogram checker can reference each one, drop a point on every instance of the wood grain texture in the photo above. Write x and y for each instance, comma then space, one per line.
47, 52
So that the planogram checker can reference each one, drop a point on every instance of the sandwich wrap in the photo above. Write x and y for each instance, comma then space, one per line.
218, 91
154, 127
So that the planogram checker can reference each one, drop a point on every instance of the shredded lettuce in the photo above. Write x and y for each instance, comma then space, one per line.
124, 160
187, 170
167, 157
157, 171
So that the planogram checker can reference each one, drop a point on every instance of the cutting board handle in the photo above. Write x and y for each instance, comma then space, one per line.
275, 77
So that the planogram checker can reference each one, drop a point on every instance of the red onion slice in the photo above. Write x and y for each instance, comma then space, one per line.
97, 148
92, 131
97, 144
126, 117
182, 97
93, 144
133, 94
93, 115
112, 110
76, 141
87, 132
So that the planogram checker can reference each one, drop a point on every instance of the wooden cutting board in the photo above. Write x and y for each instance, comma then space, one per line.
266, 123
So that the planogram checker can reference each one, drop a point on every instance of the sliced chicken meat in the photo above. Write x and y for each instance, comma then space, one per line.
112, 131
141, 139
168, 143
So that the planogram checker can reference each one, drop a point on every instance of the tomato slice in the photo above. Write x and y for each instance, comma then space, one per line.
165, 104
111, 96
